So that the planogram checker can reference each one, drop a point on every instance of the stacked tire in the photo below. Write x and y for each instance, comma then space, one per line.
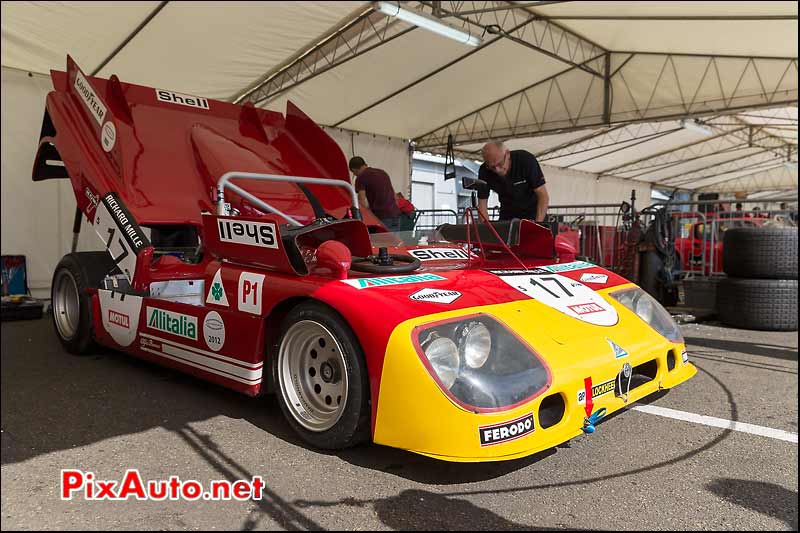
760, 291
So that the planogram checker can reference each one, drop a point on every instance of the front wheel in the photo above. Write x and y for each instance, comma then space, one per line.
323, 388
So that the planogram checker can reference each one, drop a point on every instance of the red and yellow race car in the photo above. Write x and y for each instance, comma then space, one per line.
236, 252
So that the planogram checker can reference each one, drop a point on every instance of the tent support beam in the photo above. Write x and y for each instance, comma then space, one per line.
128, 39
772, 89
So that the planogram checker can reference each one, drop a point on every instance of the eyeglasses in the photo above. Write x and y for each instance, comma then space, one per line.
497, 166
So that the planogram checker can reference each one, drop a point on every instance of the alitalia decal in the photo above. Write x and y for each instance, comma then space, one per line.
366, 283
575, 265
171, 322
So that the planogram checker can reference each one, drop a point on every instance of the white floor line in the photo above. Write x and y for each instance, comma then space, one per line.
718, 422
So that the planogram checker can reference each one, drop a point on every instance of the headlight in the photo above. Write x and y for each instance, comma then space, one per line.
479, 363
475, 344
648, 309
443, 355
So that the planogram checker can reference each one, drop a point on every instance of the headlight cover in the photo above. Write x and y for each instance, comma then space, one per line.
649, 310
479, 364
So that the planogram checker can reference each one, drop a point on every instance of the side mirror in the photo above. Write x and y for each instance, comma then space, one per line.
471, 183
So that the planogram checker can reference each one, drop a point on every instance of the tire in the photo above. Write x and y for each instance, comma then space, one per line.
763, 304
650, 279
761, 253
326, 401
72, 309
701, 293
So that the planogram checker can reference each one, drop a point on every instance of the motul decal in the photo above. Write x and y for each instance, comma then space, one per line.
585, 309
120, 315
119, 319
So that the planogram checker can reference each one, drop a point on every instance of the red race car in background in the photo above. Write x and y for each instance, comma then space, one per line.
699, 244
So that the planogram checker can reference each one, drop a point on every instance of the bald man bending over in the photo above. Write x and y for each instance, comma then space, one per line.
516, 177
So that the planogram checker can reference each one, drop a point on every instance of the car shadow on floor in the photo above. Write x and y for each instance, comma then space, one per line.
53, 401
749, 348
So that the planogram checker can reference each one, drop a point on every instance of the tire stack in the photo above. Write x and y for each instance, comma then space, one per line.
760, 291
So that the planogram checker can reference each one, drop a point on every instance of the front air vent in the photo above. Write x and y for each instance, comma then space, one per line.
551, 411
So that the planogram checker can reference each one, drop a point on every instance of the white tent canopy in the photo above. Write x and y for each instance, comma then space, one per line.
599, 87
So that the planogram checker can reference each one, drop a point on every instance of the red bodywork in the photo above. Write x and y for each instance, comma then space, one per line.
700, 243
162, 157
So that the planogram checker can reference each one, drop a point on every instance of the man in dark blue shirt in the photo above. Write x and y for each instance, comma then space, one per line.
517, 178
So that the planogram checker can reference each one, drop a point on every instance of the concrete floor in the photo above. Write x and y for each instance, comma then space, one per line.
110, 412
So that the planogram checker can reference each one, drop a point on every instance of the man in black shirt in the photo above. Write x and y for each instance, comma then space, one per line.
517, 179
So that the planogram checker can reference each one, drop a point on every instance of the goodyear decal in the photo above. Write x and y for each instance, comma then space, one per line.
366, 283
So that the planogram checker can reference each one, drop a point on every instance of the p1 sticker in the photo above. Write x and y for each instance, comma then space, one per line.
214, 331
566, 295
249, 296
506, 431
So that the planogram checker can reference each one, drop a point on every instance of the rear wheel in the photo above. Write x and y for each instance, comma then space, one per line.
322, 378
72, 316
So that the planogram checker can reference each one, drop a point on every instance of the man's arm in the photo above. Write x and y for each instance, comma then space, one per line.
362, 198
483, 204
543, 201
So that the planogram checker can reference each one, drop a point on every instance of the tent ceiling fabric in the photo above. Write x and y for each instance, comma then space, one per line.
593, 86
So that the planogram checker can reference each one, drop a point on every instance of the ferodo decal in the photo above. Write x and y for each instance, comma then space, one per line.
563, 294
594, 278
181, 99
434, 295
216, 292
96, 107
120, 315
249, 294
120, 233
366, 283
172, 322
506, 431
261, 234
439, 254
685, 356
601, 389
214, 331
